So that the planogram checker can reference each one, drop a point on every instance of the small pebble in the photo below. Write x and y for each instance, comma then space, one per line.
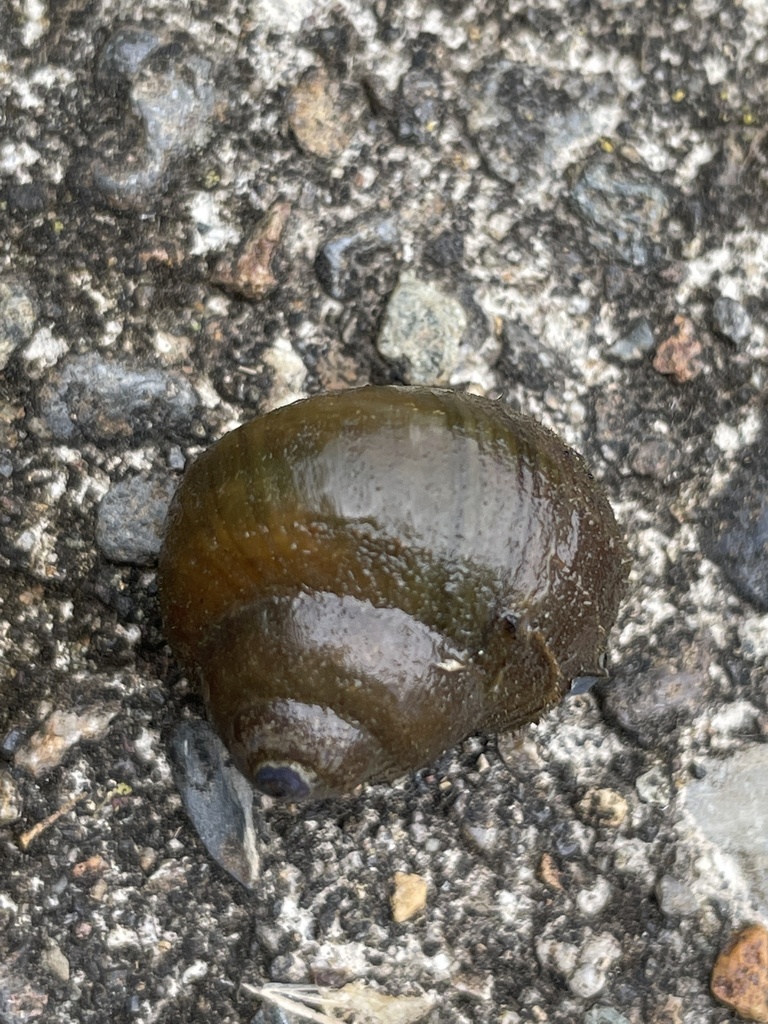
422, 330
740, 975
409, 896
323, 114
634, 346
129, 526
678, 355
46, 748
731, 319
100, 400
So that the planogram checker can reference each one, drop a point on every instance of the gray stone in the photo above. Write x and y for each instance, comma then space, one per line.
87, 397
675, 897
422, 330
731, 319
218, 800
730, 807
130, 522
634, 346
735, 532
170, 93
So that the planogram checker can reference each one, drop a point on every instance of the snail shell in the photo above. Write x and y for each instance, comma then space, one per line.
363, 579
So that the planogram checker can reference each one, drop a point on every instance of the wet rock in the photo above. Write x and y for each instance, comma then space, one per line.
625, 207
87, 397
735, 533
740, 975
218, 800
678, 355
46, 748
18, 315
635, 345
730, 807
131, 516
250, 274
731, 319
422, 330
344, 263
655, 701
323, 113
529, 127
419, 107
170, 94
409, 896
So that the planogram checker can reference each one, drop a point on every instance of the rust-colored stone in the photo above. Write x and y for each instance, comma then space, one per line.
740, 974
678, 355
250, 275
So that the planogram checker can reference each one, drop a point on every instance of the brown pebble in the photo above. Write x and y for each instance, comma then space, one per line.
90, 868
409, 896
321, 114
740, 975
678, 356
250, 275
549, 873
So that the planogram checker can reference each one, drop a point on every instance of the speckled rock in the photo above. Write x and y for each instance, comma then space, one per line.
740, 975
99, 400
422, 330
323, 114
679, 355
131, 515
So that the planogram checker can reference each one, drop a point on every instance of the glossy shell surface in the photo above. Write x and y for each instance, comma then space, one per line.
362, 579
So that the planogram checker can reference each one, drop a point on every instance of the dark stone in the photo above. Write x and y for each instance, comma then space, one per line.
735, 534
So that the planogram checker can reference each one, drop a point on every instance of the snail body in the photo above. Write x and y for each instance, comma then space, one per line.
362, 579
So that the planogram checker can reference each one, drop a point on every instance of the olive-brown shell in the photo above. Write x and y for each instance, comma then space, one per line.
363, 579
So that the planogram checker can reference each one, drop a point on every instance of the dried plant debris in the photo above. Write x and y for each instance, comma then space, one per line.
353, 1003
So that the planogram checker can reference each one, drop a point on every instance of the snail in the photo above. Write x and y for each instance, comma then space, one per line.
362, 579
